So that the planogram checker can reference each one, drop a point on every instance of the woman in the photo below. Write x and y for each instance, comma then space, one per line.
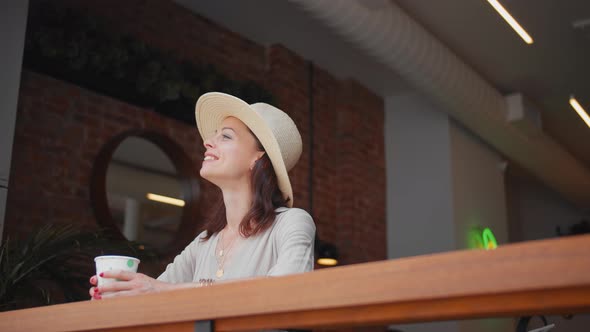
257, 232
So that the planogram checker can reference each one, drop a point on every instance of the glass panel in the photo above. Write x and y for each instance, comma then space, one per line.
144, 193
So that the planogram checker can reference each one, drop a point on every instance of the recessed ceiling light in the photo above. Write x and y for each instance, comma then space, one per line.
165, 199
508, 18
580, 110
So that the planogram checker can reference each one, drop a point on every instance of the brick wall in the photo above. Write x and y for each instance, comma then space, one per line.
60, 129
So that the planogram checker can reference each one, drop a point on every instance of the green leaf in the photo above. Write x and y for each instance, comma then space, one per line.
58, 255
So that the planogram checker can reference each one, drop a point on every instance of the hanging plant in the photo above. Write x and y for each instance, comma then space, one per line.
76, 47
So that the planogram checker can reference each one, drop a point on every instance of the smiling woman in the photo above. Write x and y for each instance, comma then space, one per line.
254, 230
231, 153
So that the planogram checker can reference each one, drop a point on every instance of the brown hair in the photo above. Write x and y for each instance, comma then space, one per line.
267, 197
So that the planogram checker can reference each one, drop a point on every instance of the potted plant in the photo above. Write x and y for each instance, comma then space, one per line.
53, 265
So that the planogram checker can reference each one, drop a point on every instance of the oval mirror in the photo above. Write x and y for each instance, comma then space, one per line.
144, 193
145, 188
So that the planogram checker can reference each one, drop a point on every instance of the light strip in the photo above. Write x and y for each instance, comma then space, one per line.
508, 18
165, 199
327, 261
581, 112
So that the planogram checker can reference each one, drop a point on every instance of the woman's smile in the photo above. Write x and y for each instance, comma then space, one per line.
210, 157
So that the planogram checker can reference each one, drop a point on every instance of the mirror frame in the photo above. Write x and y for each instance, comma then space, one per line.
189, 179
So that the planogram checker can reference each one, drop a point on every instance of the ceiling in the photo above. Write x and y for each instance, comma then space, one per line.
279, 21
546, 72
556, 65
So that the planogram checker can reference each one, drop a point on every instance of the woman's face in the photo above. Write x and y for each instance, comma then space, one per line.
231, 153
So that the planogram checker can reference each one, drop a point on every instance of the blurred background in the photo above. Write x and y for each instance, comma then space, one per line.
428, 126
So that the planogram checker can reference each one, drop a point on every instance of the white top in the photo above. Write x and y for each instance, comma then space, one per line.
286, 247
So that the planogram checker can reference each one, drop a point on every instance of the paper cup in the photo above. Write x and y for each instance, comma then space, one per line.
111, 262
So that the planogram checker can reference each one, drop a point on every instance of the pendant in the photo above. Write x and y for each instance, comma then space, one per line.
219, 273
221, 253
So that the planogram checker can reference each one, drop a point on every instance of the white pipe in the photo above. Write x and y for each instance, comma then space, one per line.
390, 35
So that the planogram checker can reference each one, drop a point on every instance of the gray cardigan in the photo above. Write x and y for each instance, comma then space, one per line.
284, 248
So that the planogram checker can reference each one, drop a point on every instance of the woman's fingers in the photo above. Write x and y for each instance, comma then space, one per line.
123, 286
116, 286
93, 291
94, 294
126, 283
118, 274
117, 294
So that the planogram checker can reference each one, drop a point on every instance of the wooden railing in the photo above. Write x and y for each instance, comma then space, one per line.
538, 277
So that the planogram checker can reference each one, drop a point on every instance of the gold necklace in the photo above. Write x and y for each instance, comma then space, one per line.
223, 252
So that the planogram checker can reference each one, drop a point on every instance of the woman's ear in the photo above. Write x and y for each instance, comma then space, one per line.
258, 156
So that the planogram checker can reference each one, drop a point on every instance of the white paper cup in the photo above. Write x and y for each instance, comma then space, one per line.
112, 262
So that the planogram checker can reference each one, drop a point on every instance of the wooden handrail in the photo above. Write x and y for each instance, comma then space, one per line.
538, 277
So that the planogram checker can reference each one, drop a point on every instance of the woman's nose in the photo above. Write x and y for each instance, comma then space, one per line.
208, 143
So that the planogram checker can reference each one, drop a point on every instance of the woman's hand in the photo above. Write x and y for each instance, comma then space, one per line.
127, 284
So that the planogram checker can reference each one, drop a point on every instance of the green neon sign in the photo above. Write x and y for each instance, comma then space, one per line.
489, 240
482, 239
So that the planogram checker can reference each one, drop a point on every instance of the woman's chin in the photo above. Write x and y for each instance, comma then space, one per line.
208, 175
204, 173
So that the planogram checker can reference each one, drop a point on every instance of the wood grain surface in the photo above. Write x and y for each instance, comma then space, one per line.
547, 276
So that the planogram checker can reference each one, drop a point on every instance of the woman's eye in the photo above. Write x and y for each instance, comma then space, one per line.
226, 137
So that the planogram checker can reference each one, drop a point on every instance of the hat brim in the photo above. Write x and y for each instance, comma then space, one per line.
213, 107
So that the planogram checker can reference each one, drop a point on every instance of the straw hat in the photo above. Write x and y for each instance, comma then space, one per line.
274, 129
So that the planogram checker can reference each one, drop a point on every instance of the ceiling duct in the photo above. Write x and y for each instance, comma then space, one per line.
386, 32
523, 115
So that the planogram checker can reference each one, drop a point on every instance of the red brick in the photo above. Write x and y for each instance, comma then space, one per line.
349, 165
